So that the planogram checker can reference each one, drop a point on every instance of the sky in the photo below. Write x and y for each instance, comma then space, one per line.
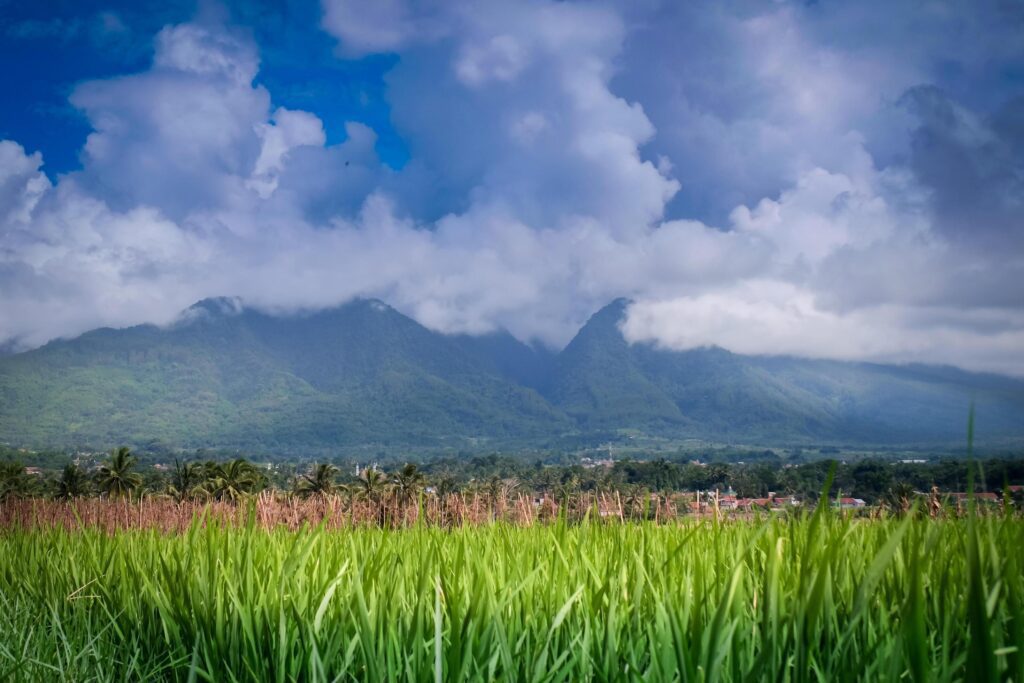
824, 179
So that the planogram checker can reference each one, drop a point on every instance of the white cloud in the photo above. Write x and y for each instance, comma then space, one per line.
205, 51
22, 184
499, 58
543, 160
771, 317
367, 27
288, 129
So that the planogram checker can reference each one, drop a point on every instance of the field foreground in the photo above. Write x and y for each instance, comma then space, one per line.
810, 598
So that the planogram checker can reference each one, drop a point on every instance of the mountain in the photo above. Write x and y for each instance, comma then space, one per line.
510, 358
229, 376
365, 375
599, 382
606, 383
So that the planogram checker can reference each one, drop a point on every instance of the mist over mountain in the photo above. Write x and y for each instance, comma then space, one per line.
364, 374
604, 382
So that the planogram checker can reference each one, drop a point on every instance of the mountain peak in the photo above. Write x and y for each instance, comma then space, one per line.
213, 307
362, 374
606, 321
374, 305
619, 304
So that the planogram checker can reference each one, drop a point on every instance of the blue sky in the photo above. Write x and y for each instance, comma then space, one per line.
828, 179
50, 46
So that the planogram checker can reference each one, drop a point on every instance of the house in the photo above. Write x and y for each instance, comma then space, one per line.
727, 502
849, 503
591, 463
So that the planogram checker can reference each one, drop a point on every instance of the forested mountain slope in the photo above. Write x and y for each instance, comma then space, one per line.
363, 373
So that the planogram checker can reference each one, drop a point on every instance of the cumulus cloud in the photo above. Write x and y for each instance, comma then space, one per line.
182, 135
365, 28
759, 316
745, 174
287, 130
22, 183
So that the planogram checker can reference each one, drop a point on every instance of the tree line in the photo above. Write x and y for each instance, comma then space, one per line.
120, 475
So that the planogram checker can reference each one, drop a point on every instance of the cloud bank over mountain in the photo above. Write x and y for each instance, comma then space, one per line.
814, 179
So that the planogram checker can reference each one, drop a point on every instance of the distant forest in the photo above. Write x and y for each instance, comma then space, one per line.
870, 479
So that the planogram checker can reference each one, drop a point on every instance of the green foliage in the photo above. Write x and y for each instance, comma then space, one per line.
798, 599
15, 482
233, 480
371, 483
320, 481
116, 478
407, 482
186, 480
73, 483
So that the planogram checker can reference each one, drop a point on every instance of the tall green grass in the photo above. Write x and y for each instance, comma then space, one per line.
812, 598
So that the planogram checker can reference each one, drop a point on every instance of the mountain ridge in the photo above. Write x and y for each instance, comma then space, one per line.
225, 375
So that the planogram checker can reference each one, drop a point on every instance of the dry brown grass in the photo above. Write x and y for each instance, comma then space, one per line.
272, 509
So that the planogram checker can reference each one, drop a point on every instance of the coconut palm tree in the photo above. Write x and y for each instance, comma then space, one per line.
635, 500
446, 486
407, 482
186, 478
371, 484
232, 481
116, 477
73, 483
319, 482
14, 481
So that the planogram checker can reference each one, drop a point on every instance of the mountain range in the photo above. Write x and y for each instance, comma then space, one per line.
360, 374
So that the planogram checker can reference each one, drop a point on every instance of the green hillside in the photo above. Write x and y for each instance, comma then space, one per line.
713, 393
363, 374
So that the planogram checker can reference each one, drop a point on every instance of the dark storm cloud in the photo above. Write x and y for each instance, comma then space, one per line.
974, 166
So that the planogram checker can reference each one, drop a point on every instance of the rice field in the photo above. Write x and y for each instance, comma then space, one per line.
817, 597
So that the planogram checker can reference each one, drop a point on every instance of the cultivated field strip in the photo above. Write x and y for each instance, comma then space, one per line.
809, 598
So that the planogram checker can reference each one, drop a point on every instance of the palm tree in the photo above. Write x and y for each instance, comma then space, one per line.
371, 484
116, 477
73, 483
567, 489
233, 480
635, 500
492, 489
14, 481
498, 491
446, 486
407, 482
185, 479
319, 482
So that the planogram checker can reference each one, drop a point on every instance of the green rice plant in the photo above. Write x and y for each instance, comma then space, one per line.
814, 597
